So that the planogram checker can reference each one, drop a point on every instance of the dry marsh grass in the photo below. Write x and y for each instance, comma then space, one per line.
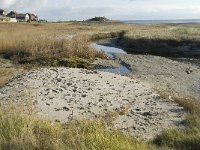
35, 47
187, 138
190, 104
51, 43
163, 40
167, 32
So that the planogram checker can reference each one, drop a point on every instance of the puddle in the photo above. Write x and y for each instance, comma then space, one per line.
110, 51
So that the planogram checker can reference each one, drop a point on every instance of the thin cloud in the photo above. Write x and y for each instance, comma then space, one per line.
114, 9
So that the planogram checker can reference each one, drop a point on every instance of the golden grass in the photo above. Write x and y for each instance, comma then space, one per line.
163, 40
167, 32
190, 104
23, 43
53, 40
30, 46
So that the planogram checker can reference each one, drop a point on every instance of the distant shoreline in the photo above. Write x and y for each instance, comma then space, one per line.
176, 21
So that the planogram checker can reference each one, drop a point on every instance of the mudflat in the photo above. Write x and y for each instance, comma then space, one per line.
163, 74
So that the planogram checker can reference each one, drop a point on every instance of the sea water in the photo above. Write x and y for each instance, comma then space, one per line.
177, 21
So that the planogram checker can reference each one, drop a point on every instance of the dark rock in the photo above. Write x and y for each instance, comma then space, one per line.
69, 84
59, 80
65, 109
47, 104
84, 95
57, 109
147, 114
55, 91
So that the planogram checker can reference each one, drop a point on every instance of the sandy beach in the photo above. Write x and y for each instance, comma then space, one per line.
62, 94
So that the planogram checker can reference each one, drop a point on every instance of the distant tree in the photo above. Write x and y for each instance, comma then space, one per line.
42, 21
102, 19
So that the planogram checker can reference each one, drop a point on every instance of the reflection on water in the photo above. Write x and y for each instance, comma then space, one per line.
123, 70
108, 50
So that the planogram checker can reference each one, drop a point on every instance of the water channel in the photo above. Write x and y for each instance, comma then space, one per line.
122, 69
110, 49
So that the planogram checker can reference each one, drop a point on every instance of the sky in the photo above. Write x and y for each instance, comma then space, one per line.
55, 10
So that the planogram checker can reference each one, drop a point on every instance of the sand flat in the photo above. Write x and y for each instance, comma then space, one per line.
62, 94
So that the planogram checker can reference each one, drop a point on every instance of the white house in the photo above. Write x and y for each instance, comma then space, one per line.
19, 17
13, 20
27, 17
4, 19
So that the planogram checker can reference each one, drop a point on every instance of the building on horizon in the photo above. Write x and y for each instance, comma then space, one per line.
3, 17
13, 16
3, 12
27, 17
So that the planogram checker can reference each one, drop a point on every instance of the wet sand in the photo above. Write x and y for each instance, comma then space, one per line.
164, 74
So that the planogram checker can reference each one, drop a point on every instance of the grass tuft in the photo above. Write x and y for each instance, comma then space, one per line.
190, 104
182, 139
88, 134
20, 131
188, 137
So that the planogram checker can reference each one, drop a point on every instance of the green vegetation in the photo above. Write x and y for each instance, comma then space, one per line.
100, 19
20, 131
73, 62
182, 139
